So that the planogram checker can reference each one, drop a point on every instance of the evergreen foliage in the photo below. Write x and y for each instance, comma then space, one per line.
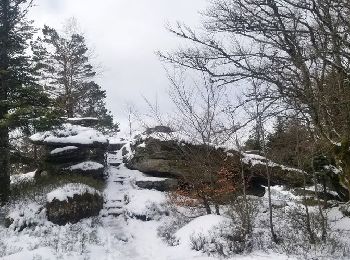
22, 101
65, 70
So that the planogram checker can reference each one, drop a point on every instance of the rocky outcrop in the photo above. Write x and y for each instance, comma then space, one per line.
73, 202
166, 159
157, 184
73, 149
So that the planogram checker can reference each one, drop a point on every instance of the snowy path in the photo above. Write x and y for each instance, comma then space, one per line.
120, 235
128, 238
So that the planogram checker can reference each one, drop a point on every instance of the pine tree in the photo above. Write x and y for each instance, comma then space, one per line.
92, 104
64, 67
22, 101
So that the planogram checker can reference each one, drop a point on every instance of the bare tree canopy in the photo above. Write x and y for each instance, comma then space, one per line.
298, 49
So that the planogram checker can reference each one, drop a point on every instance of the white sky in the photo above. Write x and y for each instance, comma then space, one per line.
124, 35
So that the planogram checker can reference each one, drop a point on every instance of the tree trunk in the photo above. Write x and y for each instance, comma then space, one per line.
308, 223
268, 174
4, 163
207, 206
4, 81
217, 209
342, 154
323, 219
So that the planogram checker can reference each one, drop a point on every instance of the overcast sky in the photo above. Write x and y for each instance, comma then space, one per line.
124, 35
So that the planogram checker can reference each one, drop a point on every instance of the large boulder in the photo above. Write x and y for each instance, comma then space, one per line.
73, 149
73, 202
160, 184
165, 158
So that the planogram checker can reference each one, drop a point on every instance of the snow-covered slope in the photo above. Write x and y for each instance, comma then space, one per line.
120, 231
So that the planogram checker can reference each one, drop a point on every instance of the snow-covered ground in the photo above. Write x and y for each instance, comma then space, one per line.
120, 231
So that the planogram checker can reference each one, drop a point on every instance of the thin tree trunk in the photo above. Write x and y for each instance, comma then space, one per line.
273, 234
207, 206
323, 220
248, 226
217, 209
4, 163
308, 223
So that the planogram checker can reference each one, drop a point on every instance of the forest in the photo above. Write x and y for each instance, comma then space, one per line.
252, 161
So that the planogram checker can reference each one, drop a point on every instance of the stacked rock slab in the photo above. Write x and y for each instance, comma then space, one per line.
73, 148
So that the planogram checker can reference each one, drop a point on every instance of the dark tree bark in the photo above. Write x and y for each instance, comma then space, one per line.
4, 79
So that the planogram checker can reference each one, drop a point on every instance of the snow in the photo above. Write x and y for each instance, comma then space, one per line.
117, 234
69, 190
203, 226
332, 168
63, 149
82, 118
143, 145
86, 166
255, 159
70, 134
141, 201
147, 178
22, 178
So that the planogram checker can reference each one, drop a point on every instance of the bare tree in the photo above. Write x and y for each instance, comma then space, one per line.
300, 48
131, 113
203, 119
260, 112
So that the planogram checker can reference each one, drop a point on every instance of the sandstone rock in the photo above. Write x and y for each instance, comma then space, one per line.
156, 184
65, 154
72, 145
158, 129
164, 159
73, 202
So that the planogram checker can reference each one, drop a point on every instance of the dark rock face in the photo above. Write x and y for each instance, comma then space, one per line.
96, 173
163, 185
158, 129
70, 146
74, 209
158, 159
73, 154
164, 159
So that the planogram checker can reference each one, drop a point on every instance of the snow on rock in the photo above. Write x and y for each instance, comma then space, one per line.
117, 140
63, 149
69, 190
145, 204
202, 226
254, 159
86, 166
22, 178
70, 134
333, 169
